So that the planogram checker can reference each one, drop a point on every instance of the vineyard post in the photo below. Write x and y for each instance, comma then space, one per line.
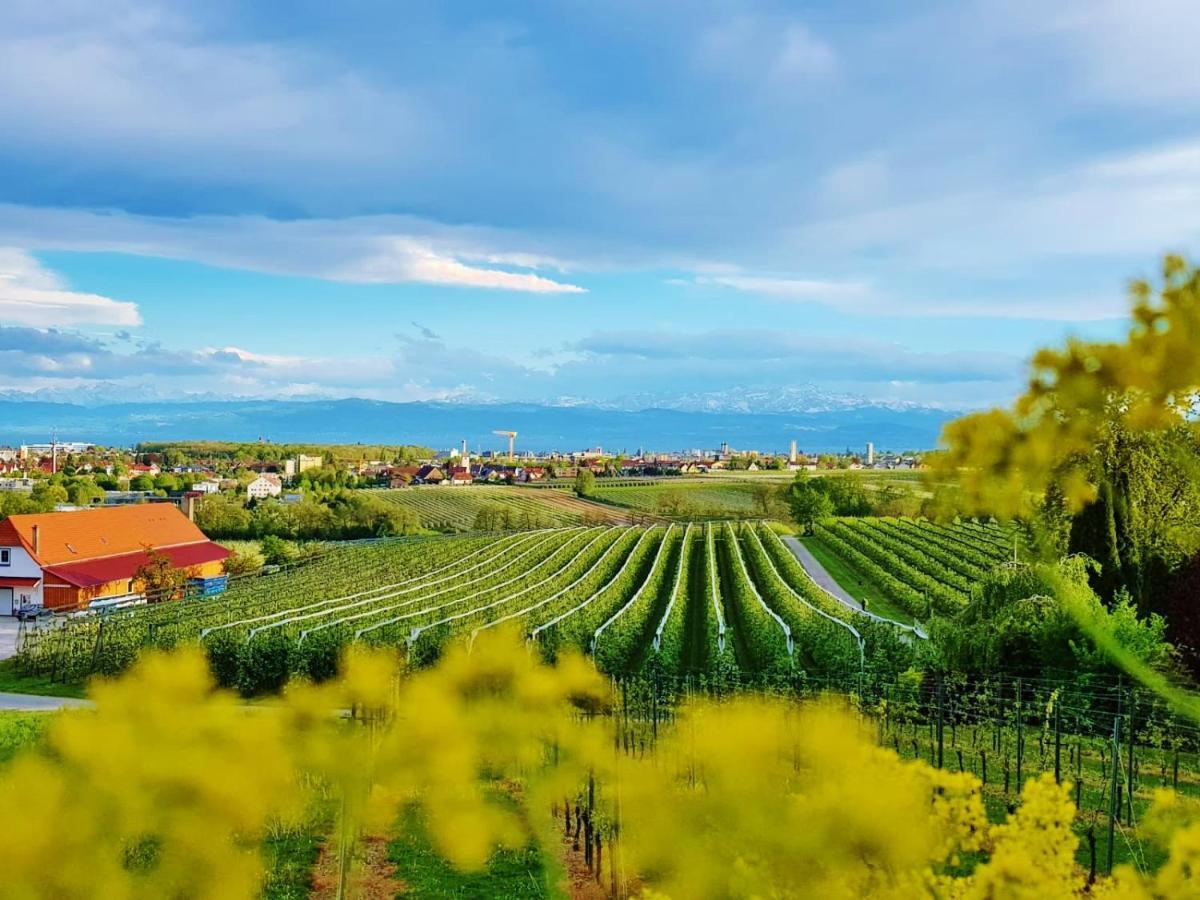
997, 721
1113, 789
654, 706
1129, 776
99, 640
1078, 765
887, 708
940, 724
1020, 738
1057, 741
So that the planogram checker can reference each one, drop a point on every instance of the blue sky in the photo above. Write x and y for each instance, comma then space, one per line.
531, 201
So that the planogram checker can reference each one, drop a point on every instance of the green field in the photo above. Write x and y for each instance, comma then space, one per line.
631, 595
452, 509
687, 498
912, 566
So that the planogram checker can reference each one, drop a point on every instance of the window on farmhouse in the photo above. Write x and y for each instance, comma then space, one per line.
5, 556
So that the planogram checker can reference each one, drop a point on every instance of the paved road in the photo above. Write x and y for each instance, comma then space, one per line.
35, 703
821, 576
9, 627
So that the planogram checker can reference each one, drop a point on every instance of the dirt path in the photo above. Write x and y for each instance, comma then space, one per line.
372, 877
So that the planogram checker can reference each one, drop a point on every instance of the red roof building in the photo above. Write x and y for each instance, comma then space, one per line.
66, 560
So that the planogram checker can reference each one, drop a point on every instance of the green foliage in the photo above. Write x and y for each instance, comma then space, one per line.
808, 505
341, 515
276, 551
242, 562
85, 492
265, 664
19, 731
585, 483
1026, 619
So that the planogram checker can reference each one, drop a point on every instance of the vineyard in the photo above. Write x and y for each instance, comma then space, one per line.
685, 498
919, 566
504, 507
716, 599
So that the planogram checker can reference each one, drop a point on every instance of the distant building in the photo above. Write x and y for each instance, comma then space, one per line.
209, 486
460, 475
870, 460
300, 464
24, 485
430, 475
265, 485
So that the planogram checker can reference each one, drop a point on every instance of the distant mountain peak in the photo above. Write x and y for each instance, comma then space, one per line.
800, 398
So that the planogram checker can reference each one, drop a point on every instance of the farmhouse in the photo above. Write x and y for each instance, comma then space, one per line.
63, 561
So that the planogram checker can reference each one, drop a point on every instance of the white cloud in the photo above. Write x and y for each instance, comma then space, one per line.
773, 53
32, 295
1118, 207
406, 259
802, 54
362, 249
790, 288
1135, 52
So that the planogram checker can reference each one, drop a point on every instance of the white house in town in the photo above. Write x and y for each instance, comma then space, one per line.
265, 485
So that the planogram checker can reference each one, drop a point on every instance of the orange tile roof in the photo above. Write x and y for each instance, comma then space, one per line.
97, 533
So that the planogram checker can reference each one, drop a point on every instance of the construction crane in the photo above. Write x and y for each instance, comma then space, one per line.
512, 439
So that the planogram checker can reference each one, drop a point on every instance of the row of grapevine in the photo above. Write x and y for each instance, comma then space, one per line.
944, 540
917, 582
392, 624
533, 551
669, 636
905, 596
616, 642
903, 552
571, 573
547, 611
961, 564
765, 637
827, 645
76, 647
959, 537
577, 626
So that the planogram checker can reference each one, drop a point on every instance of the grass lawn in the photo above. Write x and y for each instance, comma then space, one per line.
425, 873
855, 582
15, 682
19, 730
290, 856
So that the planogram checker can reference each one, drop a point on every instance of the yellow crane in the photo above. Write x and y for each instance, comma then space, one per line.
512, 439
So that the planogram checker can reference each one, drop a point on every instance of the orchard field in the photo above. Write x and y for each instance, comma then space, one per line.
712, 599
496, 507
